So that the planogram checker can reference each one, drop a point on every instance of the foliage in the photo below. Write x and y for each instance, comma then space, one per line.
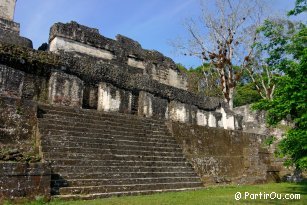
43, 47
300, 6
268, 51
201, 80
270, 140
290, 100
245, 94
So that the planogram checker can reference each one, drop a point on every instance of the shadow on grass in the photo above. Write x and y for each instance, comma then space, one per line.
297, 188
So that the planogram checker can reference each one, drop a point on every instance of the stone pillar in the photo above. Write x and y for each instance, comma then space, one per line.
114, 99
215, 119
152, 106
201, 118
108, 98
145, 105
65, 90
178, 112
228, 120
7, 9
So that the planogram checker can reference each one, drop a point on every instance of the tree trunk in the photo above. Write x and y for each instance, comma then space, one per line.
230, 102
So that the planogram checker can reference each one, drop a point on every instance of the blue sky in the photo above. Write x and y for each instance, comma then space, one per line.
153, 23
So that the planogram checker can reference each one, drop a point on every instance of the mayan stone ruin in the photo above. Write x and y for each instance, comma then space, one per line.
95, 117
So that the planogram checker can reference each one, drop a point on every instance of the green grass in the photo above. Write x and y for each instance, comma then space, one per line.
212, 195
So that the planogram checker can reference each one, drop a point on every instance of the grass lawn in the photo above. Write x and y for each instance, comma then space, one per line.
212, 195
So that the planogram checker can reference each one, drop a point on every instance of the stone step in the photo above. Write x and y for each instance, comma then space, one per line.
134, 123
118, 194
97, 162
97, 154
128, 187
86, 151
105, 120
50, 133
48, 156
120, 175
114, 131
94, 114
101, 182
118, 169
107, 139
113, 145
102, 126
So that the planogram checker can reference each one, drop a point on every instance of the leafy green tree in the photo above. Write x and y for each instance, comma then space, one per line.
246, 93
300, 6
290, 100
201, 80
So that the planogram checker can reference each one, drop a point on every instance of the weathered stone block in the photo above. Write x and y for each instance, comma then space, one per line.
111, 98
152, 106
11, 82
62, 44
17, 129
178, 112
202, 118
177, 80
215, 119
135, 62
228, 119
10, 35
7, 9
35, 88
182, 112
65, 90
252, 121
24, 180
9, 26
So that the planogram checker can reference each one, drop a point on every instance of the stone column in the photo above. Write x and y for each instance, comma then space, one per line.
65, 90
7, 9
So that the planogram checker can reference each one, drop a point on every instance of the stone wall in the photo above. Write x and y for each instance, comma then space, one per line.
19, 180
253, 121
9, 30
85, 82
66, 90
17, 130
81, 40
223, 156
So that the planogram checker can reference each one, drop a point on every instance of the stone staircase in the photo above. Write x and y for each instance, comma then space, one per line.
95, 154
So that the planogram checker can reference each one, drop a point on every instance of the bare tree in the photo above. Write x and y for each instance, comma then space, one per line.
262, 75
223, 36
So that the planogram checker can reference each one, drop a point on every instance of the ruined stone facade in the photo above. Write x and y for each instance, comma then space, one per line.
9, 30
93, 86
